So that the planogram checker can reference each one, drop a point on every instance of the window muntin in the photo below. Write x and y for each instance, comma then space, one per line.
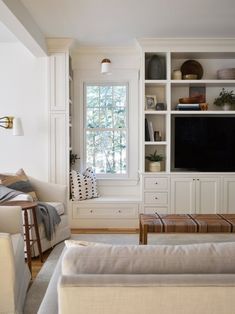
106, 129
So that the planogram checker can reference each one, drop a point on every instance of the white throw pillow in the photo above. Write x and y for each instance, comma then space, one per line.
83, 186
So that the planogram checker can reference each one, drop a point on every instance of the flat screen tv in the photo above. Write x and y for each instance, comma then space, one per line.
203, 143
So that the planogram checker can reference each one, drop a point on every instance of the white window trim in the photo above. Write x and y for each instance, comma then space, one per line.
108, 175
129, 76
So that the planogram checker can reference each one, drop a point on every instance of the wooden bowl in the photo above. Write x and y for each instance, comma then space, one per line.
190, 100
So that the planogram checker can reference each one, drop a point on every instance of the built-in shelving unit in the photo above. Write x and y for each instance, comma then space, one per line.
170, 191
166, 90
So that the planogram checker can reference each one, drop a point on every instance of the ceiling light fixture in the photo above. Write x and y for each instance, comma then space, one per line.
106, 66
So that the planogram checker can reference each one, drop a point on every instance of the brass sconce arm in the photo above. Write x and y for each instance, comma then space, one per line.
6, 122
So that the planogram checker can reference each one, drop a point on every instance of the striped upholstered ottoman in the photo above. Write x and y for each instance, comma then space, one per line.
185, 223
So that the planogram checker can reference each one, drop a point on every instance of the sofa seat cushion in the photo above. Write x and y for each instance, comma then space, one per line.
202, 258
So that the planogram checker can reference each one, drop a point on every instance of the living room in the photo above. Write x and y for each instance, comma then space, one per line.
123, 129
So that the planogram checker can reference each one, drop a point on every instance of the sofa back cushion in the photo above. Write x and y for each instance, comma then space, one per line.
150, 259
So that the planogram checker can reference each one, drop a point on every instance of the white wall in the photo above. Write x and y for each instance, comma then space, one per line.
23, 93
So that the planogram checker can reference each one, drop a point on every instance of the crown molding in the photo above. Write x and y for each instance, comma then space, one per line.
195, 44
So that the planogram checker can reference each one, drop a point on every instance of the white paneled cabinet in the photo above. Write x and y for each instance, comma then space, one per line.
195, 195
59, 109
229, 195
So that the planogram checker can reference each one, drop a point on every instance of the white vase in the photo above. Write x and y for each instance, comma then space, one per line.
154, 166
226, 107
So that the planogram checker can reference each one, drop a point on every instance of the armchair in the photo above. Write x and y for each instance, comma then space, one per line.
14, 272
56, 194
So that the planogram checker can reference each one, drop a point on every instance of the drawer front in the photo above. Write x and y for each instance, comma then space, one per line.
105, 212
153, 210
155, 197
155, 183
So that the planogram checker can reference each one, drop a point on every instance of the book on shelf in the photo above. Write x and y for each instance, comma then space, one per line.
147, 136
151, 132
188, 107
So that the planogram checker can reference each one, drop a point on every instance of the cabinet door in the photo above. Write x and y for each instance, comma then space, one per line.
58, 84
182, 195
207, 195
58, 149
228, 195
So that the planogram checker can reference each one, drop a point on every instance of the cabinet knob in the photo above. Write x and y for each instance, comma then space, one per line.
194, 179
197, 179
156, 182
91, 211
119, 211
156, 198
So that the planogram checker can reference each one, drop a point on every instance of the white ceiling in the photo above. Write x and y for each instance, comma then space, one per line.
6, 35
119, 22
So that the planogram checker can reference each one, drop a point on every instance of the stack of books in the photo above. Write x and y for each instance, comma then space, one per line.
188, 107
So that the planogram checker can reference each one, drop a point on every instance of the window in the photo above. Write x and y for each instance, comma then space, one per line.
106, 127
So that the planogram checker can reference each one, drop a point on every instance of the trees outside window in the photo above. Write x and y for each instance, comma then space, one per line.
106, 127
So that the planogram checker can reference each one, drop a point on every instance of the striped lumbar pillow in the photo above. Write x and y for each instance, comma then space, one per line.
83, 186
19, 182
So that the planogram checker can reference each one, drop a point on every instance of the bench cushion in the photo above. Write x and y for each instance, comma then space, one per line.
202, 258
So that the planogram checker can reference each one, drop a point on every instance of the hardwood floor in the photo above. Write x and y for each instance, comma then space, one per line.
37, 264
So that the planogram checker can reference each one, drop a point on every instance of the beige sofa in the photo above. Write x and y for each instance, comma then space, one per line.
14, 272
55, 194
164, 279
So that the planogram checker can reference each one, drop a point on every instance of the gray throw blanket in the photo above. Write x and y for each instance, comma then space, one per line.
46, 213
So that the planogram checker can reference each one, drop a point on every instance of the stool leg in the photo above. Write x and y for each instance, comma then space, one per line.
37, 234
140, 232
27, 239
145, 234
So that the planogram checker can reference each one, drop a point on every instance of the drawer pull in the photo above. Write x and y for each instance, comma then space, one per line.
156, 198
91, 211
156, 182
119, 211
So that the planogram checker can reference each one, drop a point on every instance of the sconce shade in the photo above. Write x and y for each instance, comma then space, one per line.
106, 66
17, 127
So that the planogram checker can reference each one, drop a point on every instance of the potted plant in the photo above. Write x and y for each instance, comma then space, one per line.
154, 161
226, 99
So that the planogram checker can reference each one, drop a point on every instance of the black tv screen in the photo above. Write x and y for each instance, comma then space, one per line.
203, 143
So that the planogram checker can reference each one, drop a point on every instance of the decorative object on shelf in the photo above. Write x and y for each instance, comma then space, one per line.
12, 123
73, 158
190, 77
154, 162
177, 75
160, 106
150, 102
189, 100
192, 67
204, 106
226, 99
157, 136
226, 74
106, 66
199, 92
156, 68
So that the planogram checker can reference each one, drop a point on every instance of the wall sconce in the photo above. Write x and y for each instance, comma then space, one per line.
12, 123
106, 66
